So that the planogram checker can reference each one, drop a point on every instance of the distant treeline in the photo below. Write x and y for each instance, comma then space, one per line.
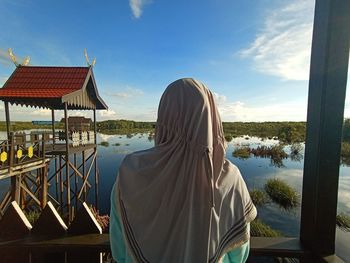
285, 131
124, 126
288, 132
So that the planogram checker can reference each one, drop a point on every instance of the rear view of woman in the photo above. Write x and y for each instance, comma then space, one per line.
182, 200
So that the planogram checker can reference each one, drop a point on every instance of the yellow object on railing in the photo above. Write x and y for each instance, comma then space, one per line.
30, 151
19, 154
3, 157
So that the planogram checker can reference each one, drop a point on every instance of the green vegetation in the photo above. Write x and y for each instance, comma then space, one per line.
104, 144
296, 148
274, 152
23, 125
228, 137
345, 153
282, 193
260, 229
32, 216
117, 144
346, 130
259, 197
285, 131
241, 152
124, 127
343, 222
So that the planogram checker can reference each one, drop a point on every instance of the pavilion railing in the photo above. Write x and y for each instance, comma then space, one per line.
22, 149
51, 240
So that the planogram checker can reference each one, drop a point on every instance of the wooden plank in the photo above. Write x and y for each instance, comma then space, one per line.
276, 247
87, 175
14, 225
48, 225
76, 243
327, 86
84, 223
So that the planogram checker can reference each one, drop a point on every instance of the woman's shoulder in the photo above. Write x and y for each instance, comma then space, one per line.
136, 160
229, 167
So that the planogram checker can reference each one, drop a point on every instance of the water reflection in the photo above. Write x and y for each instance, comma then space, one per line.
255, 171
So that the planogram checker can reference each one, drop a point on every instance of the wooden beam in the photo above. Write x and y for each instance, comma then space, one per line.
87, 175
327, 86
95, 163
67, 160
53, 127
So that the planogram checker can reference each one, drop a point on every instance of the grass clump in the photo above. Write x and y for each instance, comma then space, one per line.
228, 137
282, 193
32, 216
258, 197
104, 144
343, 222
260, 229
345, 153
242, 152
274, 152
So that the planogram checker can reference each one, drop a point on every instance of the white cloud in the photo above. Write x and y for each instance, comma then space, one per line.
137, 7
128, 93
283, 46
107, 114
41, 112
239, 111
220, 99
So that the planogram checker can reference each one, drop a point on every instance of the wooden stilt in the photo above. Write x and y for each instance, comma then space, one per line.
83, 162
75, 182
67, 162
95, 163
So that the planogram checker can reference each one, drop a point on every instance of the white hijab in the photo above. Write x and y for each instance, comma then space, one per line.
182, 201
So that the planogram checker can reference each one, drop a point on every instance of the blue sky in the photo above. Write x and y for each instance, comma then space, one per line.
254, 55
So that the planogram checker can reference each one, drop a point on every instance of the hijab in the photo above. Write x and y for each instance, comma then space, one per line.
182, 200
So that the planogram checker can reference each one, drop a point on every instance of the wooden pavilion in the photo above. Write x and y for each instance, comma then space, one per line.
29, 156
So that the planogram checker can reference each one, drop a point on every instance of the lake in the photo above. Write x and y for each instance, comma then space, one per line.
255, 171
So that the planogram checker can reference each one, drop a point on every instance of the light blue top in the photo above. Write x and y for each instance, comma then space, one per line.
120, 253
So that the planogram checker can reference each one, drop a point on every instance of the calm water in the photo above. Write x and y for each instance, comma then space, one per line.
254, 170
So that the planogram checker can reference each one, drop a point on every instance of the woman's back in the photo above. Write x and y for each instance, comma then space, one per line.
182, 201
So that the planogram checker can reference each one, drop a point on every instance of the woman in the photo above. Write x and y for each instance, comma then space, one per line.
181, 201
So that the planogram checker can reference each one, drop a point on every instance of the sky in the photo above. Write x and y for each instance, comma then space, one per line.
253, 55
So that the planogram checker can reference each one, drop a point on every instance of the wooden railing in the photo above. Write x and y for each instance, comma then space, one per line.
22, 149
51, 240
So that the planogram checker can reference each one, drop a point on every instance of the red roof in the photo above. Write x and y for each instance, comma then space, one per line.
44, 82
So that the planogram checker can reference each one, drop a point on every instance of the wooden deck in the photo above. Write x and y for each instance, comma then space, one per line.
25, 166
60, 149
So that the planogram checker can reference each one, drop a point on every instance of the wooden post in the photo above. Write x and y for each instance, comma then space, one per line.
8, 121
44, 186
84, 174
53, 127
327, 86
95, 165
67, 161
75, 182
61, 183
16, 179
